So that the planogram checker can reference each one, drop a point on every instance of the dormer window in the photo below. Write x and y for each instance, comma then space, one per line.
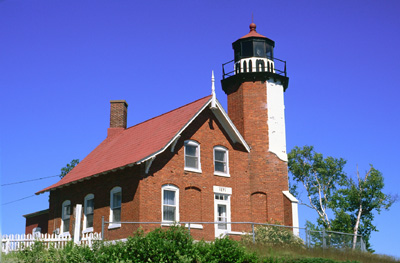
221, 161
192, 156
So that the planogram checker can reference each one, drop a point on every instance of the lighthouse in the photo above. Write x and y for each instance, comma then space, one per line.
255, 82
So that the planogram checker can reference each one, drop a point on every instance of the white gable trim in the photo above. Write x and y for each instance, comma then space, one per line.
222, 117
229, 127
219, 113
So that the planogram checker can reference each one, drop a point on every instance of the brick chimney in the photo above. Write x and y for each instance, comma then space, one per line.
118, 117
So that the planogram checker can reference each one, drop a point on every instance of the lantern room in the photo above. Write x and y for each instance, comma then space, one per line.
254, 53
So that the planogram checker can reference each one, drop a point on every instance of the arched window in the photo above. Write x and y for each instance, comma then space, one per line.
244, 66
221, 161
65, 216
88, 213
192, 156
170, 203
115, 207
250, 65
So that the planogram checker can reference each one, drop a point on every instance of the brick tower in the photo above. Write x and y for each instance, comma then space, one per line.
255, 91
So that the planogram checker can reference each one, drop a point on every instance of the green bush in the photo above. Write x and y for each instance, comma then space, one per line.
224, 250
271, 235
174, 244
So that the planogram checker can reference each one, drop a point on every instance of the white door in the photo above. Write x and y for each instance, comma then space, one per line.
222, 214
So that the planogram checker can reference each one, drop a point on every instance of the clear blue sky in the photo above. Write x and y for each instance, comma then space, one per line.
61, 62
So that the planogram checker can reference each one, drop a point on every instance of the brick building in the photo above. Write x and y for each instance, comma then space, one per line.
192, 164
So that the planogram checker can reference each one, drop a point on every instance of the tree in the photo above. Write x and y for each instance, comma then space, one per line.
356, 203
69, 167
353, 202
320, 177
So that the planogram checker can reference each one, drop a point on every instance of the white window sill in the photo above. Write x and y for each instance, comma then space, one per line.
188, 169
113, 226
88, 230
169, 223
237, 233
194, 226
222, 174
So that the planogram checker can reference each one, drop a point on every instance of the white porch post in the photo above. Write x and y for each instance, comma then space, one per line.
78, 217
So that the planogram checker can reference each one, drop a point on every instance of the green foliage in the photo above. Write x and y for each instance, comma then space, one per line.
320, 176
303, 260
224, 250
273, 236
69, 254
353, 202
65, 170
161, 245
358, 201
175, 245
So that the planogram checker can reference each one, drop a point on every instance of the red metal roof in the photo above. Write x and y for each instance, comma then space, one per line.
253, 32
132, 144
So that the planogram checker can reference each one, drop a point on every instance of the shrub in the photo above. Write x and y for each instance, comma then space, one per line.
224, 250
272, 235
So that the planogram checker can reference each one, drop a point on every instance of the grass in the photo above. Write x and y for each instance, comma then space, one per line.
176, 245
264, 251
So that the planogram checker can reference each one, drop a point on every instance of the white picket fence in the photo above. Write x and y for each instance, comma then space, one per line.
18, 242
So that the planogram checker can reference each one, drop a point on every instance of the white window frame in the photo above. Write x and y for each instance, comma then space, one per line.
219, 173
87, 198
191, 169
63, 217
112, 192
170, 187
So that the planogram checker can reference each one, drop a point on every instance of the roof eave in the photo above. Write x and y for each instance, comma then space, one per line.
219, 112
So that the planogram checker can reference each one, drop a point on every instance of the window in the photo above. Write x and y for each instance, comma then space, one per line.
65, 216
192, 156
221, 161
88, 212
115, 207
170, 203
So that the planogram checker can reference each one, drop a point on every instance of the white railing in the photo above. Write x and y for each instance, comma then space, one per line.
18, 242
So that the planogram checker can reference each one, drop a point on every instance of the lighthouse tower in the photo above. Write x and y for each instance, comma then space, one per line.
255, 82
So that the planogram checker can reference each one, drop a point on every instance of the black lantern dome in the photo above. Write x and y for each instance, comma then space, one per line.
253, 45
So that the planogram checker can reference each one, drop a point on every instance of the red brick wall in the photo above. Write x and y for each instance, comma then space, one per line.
288, 211
128, 179
142, 193
247, 107
196, 189
257, 178
39, 220
118, 114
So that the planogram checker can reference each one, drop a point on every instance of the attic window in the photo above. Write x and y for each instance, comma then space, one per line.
192, 156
